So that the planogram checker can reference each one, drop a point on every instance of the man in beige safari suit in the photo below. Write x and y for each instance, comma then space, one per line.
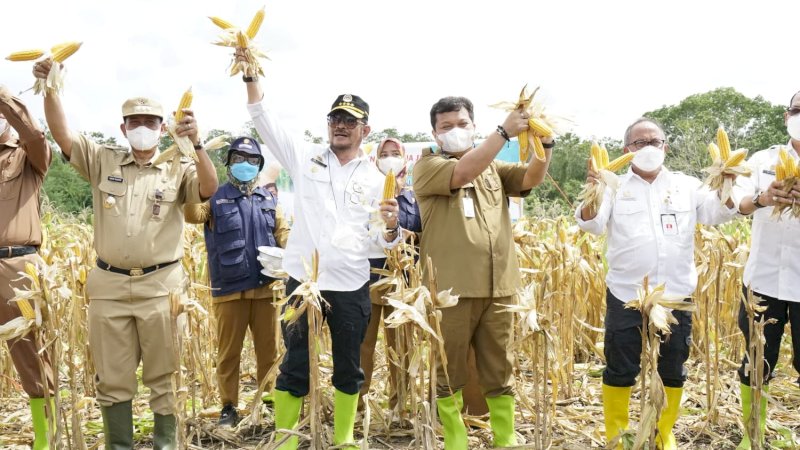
138, 236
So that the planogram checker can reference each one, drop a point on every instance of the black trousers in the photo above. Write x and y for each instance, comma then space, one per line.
782, 311
348, 317
623, 346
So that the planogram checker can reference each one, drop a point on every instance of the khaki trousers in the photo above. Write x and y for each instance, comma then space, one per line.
234, 317
121, 334
23, 350
477, 322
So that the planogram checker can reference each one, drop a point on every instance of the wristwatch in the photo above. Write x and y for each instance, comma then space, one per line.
757, 204
199, 145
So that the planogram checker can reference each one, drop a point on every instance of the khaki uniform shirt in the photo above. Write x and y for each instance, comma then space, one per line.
20, 181
132, 226
474, 256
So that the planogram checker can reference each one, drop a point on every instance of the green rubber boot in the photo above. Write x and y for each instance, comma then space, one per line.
747, 408
455, 432
616, 401
501, 418
118, 426
344, 418
666, 438
41, 426
164, 432
287, 414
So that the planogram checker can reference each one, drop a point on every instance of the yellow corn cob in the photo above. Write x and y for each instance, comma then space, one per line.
538, 148
735, 159
241, 40
539, 127
222, 23
25, 308
783, 157
524, 151
255, 24
63, 51
25, 55
593, 164
780, 172
713, 151
620, 162
389, 185
604, 154
724, 144
186, 102
791, 168
595, 151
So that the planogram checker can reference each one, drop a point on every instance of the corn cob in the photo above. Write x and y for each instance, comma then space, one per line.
222, 23
538, 147
524, 151
735, 158
596, 157
241, 40
255, 24
539, 127
25, 308
186, 102
25, 55
724, 144
389, 185
713, 151
604, 154
63, 51
620, 162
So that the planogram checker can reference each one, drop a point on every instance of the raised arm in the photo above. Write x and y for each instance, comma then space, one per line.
54, 112
35, 144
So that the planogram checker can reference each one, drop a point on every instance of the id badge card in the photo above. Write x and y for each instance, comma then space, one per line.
669, 225
469, 207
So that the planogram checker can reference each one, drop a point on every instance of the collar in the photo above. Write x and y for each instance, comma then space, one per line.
11, 143
329, 155
129, 159
662, 175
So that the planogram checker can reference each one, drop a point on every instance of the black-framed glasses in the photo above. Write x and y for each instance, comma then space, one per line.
349, 122
642, 143
793, 111
250, 159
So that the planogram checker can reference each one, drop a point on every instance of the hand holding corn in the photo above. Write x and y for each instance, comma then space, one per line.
246, 52
725, 166
388, 212
51, 81
541, 128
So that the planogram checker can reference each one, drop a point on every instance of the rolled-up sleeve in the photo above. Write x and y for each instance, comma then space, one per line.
432, 175
511, 175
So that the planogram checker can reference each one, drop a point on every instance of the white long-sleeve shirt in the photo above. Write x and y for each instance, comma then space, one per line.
773, 267
333, 204
651, 231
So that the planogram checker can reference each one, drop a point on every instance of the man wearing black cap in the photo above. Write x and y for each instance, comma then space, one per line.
238, 219
337, 189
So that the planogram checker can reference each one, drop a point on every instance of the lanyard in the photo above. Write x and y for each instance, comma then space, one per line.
330, 182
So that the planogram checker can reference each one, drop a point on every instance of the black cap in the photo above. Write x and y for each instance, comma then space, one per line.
246, 144
352, 104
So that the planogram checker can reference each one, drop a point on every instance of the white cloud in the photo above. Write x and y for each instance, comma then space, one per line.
602, 63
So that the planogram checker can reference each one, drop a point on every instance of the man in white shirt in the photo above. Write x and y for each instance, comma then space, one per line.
336, 189
650, 221
773, 268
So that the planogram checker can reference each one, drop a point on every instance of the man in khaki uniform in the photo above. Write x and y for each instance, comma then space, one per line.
138, 237
463, 197
23, 163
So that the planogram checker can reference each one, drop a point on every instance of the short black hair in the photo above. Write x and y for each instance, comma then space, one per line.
451, 104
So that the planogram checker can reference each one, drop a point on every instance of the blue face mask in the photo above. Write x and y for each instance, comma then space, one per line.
244, 171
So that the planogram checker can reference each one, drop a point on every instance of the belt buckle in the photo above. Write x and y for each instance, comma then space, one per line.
136, 272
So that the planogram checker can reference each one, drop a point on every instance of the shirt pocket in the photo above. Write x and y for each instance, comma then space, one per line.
112, 195
681, 207
494, 191
10, 177
630, 218
232, 259
161, 202
227, 218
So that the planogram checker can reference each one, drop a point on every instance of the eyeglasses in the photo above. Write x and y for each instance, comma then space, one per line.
642, 143
793, 111
251, 159
349, 122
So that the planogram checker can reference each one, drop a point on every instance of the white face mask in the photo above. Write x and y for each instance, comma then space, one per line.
3, 125
793, 126
393, 163
648, 159
143, 138
457, 140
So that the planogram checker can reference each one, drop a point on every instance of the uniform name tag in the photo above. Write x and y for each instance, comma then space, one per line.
469, 207
669, 225
115, 179
769, 172
225, 201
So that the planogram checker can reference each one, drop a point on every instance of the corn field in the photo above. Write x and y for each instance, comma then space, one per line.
558, 342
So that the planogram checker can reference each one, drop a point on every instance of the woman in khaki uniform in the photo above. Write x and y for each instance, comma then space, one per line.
138, 237
23, 163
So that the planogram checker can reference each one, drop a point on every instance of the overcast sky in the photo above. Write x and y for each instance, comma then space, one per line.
603, 63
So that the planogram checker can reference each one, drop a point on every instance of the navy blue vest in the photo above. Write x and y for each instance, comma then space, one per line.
240, 225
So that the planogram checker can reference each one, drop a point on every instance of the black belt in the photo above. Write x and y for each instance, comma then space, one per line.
16, 250
134, 272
